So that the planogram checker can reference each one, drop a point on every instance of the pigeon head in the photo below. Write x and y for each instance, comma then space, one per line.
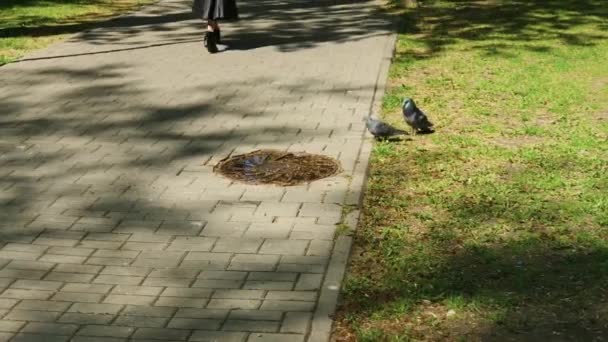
408, 104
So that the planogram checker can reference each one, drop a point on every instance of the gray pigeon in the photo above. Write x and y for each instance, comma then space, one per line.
381, 130
416, 118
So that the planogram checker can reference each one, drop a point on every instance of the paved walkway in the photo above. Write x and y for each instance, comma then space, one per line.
113, 226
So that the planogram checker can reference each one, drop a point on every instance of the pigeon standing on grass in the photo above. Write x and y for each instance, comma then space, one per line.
381, 130
416, 118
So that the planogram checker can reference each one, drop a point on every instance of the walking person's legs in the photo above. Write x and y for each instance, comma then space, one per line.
210, 11
211, 38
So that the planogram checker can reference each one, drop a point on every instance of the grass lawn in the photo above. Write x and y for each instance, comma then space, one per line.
31, 24
495, 228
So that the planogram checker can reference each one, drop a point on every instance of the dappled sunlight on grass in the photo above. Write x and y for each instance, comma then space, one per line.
495, 227
29, 25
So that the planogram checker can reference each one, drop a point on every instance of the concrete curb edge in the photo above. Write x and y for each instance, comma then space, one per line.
322, 321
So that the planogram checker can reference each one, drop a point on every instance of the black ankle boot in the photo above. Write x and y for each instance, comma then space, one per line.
218, 38
210, 42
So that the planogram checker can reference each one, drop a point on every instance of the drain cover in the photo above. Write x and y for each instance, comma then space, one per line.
277, 167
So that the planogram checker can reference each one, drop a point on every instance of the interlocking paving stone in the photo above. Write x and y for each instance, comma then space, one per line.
26, 294
78, 297
309, 282
182, 292
12, 326
148, 311
30, 265
286, 305
32, 315
71, 268
223, 275
50, 328
161, 334
245, 304
194, 323
296, 322
85, 318
202, 313
109, 331
256, 315
275, 338
234, 245
254, 262
284, 247
42, 305
141, 321
24, 337
8, 303
205, 336
182, 302
248, 325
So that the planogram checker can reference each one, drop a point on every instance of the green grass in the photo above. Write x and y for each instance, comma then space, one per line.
495, 227
26, 25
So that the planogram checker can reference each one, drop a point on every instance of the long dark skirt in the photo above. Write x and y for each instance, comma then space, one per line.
215, 9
